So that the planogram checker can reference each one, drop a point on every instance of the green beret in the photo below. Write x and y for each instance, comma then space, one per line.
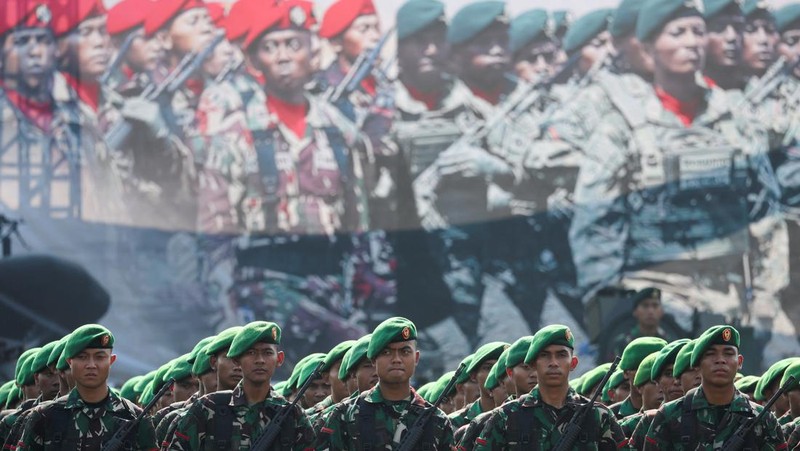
354, 356
416, 15
576, 383
644, 373
22, 372
148, 394
773, 375
613, 382
472, 19
88, 336
297, 371
441, 384
624, 20
593, 377
562, 19
491, 381
200, 348
61, 363
308, 368
657, 13
222, 341
464, 376
714, 7
791, 370
528, 27
683, 360
162, 375
142, 384
337, 353
255, 332
4, 390
747, 384
181, 368
497, 372
751, 7
489, 351
645, 294
55, 353
585, 29
127, 390
554, 334
280, 388
41, 360
518, 350
717, 335
14, 396
637, 350
392, 330
424, 391
787, 16
667, 356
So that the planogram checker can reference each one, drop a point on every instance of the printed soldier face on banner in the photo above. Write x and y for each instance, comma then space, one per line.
28, 58
680, 47
190, 31
633, 56
789, 45
482, 62
421, 58
597, 49
286, 60
719, 365
759, 43
86, 51
360, 37
649, 313
725, 39
220, 58
90, 368
536, 61
143, 54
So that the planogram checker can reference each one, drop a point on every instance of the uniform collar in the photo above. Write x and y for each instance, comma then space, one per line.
375, 396
239, 399
112, 402
739, 404
534, 398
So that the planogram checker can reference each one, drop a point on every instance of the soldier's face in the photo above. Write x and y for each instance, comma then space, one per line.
286, 60
448, 405
319, 389
759, 43
229, 373
484, 60
793, 397
781, 406
366, 375
361, 36
143, 53
690, 379
595, 51
725, 40
338, 387
397, 361
553, 365
421, 58
86, 50
536, 60
471, 391
649, 313
48, 382
209, 381
90, 368
633, 55
622, 391
680, 47
789, 45
524, 376
29, 56
221, 56
482, 373
499, 394
259, 362
719, 365
185, 388
508, 383
670, 385
652, 395
190, 31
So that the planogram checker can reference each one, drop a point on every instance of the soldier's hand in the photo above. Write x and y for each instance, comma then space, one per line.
146, 113
471, 161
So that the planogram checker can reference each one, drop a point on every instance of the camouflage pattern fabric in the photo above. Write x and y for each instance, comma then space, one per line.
315, 411
465, 415
466, 441
10, 424
629, 423
637, 438
623, 408
794, 437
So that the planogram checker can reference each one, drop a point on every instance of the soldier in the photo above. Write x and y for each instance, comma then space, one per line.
339, 392
65, 380
136, 56
663, 370
90, 415
725, 23
788, 23
793, 396
185, 388
769, 383
382, 416
632, 357
648, 312
293, 383
617, 389
531, 419
747, 385
250, 406
717, 408
518, 370
592, 378
533, 46
478, 370
687, 375
229, 374
631, 56
45, 389
651, 392
318, 389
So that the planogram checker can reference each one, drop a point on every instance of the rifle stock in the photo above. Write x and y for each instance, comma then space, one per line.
118, 439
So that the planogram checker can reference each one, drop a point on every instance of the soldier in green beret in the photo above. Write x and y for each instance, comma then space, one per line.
747, 385
448, 405
791, 418
466, 435
533, 46
769, 383
652, 398
663, 370
65, 380
592, 378
250, 406
228, 373
617, 389
380, 418
725, 23
688, 376
648, 312
590, 39
478, 371
338, 387
788, 22
319, 388
467, 390
717, 408
631, 56
537, 419
91, 413
632, 357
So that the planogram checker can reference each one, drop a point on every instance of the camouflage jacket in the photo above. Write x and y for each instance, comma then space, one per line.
637, 438
623, 408
629, 423
10, 424
712, 426
466, 435
504, 430
319, 421
163, 418
789, 427
371, 420
465, 415
315, 411
70, 423
794, 438
196, 425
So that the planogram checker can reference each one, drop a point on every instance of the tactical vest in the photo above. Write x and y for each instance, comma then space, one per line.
422, 141
61, 434
693, 437
525, 431
221, 427
370, 435
688, 192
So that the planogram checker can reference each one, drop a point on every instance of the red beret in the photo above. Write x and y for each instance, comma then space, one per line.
216, 12
166, 11
24, 13
241, 16
68, 14
127, 15
281, 16
341, 14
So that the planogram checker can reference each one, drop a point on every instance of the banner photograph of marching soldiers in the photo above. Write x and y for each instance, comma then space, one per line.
400, 224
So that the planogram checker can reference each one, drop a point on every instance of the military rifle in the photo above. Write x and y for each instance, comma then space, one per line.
265, 440
575, 426
736, 442
119, 58
409, 442
770, 81
361, 68
118, 439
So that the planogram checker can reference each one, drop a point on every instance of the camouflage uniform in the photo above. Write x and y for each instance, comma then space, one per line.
464, 416
794, 438
637, 436
623, 408
712, 426
470, 432
503, 430
314, 412
369, 419
789, 427
11, 423
196, 426
71, 423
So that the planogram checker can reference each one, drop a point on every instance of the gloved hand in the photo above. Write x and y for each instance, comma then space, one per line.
147, 113
471, 161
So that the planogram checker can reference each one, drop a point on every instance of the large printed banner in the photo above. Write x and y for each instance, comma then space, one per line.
481, 168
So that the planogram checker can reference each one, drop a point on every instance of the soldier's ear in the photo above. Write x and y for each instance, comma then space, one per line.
574, 363
741, 360
510, 372
213, 362
112, 359
281, 357
314, 48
